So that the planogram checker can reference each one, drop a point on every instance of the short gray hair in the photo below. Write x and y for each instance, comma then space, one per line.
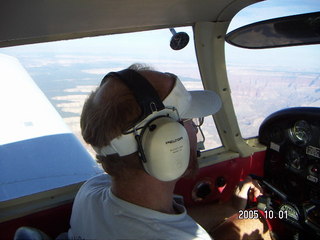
141, 67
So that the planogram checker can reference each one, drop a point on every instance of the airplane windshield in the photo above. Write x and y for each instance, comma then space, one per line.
266, 80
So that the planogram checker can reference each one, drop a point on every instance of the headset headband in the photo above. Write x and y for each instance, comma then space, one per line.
145, 94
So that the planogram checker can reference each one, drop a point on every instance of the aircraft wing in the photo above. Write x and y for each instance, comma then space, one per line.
38, 152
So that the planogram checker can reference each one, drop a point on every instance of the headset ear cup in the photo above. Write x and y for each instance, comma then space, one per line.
166, 147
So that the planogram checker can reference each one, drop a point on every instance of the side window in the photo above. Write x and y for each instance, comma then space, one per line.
209, 135
67, 71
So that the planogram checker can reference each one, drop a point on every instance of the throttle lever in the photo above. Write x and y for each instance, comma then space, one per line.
264, 203
270, 186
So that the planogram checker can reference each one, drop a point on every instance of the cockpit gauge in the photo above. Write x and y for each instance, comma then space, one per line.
294, 160
300, 134
291, 211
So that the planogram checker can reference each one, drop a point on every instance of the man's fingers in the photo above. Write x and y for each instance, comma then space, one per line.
249, 185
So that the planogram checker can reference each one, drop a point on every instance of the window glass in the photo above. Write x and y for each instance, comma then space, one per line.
264, 81
66, 72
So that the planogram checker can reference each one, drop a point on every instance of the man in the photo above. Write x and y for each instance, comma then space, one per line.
145, 140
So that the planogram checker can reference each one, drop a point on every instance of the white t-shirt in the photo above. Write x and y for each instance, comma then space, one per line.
98, 214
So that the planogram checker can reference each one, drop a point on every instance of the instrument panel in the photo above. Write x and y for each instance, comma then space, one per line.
292, 163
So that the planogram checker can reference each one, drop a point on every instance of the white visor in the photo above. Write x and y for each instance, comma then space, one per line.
192, 104
189, 104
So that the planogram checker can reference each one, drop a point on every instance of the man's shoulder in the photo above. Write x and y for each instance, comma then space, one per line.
97, 183
102, 178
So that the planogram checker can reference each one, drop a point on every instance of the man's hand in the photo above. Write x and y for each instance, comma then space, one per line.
209, 216
247, 189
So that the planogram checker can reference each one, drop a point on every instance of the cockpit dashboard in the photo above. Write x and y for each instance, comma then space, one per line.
292, 165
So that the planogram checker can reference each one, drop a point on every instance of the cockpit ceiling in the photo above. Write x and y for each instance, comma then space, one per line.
32, 21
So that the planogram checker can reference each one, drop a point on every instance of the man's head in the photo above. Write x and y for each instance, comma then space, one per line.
114, 117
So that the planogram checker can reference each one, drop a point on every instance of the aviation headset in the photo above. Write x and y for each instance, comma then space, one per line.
161, 139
